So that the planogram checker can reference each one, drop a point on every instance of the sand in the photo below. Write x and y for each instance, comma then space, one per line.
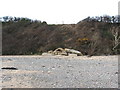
60, 72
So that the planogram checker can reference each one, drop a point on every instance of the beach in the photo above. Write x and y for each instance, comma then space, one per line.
39, 71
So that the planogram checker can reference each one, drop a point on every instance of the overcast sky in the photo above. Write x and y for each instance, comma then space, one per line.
58, 11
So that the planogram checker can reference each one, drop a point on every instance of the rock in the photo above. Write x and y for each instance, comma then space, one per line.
73, 51
46, 54
43, 66
66, 51
59, 51
49, 72
51, 51
73, 55
116, 72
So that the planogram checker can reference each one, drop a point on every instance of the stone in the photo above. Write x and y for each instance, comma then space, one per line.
73, 55
59, 51
72, 51
46, 54
51, 51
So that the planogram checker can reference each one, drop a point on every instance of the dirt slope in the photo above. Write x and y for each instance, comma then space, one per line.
89, 37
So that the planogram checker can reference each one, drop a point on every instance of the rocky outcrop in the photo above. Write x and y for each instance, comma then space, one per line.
60, 51
66, 52
73, 51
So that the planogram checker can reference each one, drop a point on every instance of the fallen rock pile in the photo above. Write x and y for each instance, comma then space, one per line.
66, 52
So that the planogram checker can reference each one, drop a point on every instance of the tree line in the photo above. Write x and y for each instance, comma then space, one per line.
104, 18
19, 19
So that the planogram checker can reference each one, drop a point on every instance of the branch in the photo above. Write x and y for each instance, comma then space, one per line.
116, 46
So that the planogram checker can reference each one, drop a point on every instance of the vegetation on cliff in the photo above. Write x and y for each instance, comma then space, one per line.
91, 36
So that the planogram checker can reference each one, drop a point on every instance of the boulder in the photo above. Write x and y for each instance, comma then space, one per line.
72, 51
66, 52
59, 51
51, 51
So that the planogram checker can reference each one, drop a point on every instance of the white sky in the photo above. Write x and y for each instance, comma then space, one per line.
58, 11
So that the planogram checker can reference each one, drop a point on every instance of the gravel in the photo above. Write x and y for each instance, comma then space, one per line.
60, 72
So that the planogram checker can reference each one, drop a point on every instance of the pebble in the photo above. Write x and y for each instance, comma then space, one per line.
75, 73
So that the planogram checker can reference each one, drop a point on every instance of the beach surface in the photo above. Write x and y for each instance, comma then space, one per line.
60, 71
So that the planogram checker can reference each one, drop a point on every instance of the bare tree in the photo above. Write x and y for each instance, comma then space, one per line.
94, 43
115, 33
